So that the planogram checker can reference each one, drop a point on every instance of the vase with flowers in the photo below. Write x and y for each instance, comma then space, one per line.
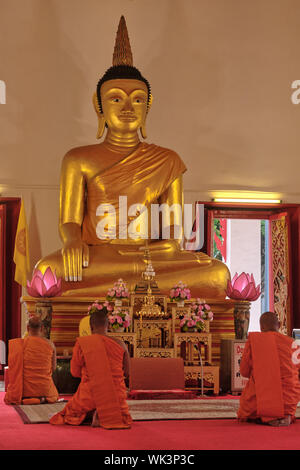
119, 320
243, 289
190, 322
98, 306
118, 292
203, 310
179, 293
44, 286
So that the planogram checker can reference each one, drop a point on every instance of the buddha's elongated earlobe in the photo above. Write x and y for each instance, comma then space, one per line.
101, 126
100, 116
143, 131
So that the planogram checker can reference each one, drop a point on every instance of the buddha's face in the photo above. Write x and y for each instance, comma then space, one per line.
124, 104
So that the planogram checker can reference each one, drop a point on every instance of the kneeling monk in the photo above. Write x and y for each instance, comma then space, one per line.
103, 364
273, 390
31, 362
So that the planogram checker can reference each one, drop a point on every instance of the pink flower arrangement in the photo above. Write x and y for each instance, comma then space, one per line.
118, 291
97, 306
180, 292
44, 285
242, 287
191, 320
118, 319
202, 309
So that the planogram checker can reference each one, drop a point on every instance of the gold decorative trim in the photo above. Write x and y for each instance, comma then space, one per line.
155, 352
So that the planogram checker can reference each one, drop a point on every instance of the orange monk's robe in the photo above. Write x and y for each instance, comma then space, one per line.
30, 371
273, 388
98, 360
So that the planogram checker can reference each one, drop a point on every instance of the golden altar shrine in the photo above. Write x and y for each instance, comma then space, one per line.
152, 337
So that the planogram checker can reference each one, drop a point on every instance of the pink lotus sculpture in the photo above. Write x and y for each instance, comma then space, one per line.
242, 287
44, 285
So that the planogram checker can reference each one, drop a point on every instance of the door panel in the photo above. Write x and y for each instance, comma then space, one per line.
280, 270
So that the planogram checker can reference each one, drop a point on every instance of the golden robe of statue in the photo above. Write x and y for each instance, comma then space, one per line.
95, 255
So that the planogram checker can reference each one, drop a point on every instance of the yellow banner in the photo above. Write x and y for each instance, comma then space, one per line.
21, 253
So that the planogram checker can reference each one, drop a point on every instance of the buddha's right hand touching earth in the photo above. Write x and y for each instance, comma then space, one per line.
75, 252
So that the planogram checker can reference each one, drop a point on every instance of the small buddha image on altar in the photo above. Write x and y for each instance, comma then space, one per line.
153, 333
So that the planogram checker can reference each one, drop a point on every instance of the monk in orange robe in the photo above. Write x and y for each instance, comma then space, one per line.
102, 363
273, 390
31, 362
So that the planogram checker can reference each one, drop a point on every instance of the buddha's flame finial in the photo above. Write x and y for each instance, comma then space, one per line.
122, 52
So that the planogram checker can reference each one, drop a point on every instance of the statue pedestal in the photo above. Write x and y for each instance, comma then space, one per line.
68, 311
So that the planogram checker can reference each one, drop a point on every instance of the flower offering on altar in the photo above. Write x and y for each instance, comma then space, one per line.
202, 309
119, 319
97, 306
180, 292
192, 322
118, 291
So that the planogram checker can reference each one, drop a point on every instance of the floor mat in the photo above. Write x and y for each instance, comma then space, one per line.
145, 410
35, 414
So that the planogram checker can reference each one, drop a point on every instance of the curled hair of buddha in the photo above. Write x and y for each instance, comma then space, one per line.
122, 72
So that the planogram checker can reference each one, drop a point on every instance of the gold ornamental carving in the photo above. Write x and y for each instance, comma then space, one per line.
153, 352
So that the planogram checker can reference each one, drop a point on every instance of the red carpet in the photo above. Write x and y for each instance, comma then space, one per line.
154, 435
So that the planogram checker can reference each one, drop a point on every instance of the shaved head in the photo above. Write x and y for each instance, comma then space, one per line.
99, 319
34, 325
269, 322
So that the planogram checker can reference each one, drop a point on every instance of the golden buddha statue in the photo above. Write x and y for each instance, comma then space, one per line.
122, 167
